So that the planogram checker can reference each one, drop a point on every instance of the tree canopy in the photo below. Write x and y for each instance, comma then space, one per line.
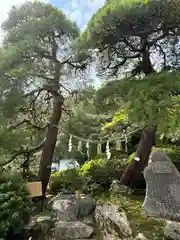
36, 66
128, 33
44, 86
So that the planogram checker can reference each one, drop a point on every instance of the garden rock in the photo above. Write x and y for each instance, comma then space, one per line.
113, 223
172, 230
67, 208
163, 187
85, 207
60, 196
40, 227
72, 230
89, 220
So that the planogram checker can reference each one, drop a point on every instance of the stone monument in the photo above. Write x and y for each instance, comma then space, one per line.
162, 187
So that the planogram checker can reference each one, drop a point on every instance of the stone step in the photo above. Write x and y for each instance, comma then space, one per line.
72, 230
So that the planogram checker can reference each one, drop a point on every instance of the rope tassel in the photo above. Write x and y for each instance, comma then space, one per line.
126, 143
99, 149
70, 144
108, 153
118, 145
80, 146
87, 146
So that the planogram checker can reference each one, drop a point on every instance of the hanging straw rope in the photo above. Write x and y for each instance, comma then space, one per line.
100, 141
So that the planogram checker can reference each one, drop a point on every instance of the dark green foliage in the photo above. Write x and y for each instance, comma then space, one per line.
34, 34
15, 203
84, 122
120, 191
98, 174
92, 177
153, 100
122, 31
66, 181
173, 153
108, 97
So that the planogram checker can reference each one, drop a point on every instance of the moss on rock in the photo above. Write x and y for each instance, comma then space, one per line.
152, 228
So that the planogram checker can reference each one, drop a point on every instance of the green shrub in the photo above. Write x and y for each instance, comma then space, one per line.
15, 203
97, 171
172, 152
94, 177
66, 181
130, 158
118, 191
87, 178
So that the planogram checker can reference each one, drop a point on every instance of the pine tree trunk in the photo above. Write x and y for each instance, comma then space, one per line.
143, 151
50, 144
147, 140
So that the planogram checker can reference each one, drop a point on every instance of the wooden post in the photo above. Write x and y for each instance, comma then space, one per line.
78, 194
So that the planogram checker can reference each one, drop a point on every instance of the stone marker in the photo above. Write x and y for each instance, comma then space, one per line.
162, 187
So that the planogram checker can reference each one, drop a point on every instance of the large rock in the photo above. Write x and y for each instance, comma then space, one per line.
85, 207
113, 223
60, 196
163, 187
67, 208
72, 230
40, 227
172, 230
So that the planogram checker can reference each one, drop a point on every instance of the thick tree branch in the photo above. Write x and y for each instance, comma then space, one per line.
67, 111
169, 105
28, 122
51, 88
162, 36
132, 48
130, 57
162, 52
38, 90
116, 67
61, 85
44, 77
23, 151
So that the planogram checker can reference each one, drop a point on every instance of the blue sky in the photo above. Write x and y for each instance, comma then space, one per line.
79, 11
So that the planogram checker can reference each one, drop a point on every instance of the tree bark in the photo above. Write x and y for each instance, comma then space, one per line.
50, 144
143, 151
147, 140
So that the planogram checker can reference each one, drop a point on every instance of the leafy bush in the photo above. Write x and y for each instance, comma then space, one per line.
172, 152
130, 158
15, 204
87, 178
97, 170
94, 177
119, 191
66, 181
